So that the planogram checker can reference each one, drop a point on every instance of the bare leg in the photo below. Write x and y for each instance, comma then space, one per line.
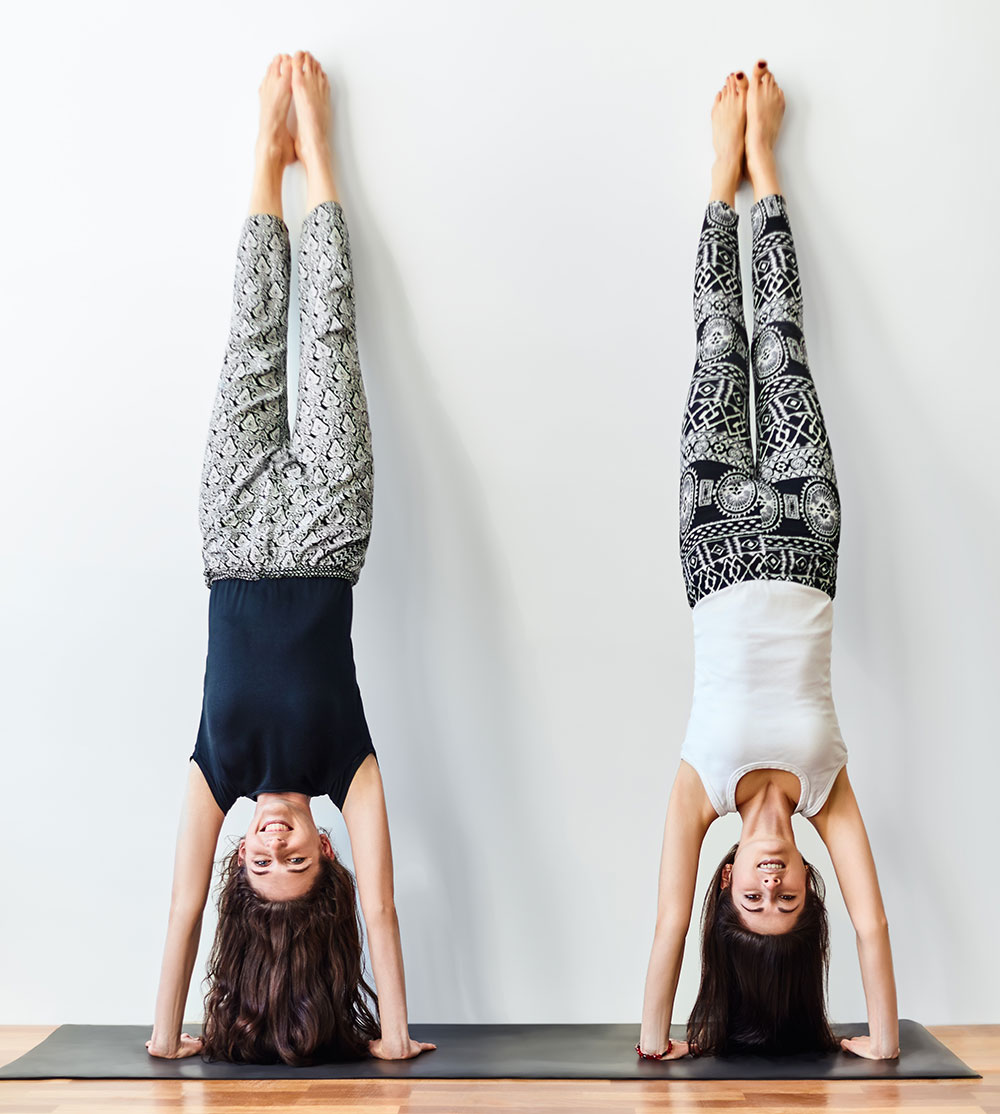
765, 108
275, 148
311, 91
729, 123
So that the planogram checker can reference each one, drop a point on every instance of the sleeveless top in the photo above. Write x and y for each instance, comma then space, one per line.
281, 710
762, 695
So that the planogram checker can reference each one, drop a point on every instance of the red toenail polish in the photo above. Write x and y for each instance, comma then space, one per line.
762, 64
739, 75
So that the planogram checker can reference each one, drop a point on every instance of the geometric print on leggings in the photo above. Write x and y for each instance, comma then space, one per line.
276, 502
776, 516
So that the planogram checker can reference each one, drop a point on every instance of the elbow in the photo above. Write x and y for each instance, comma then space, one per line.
382, 911
877, 928
670, 925
187, 911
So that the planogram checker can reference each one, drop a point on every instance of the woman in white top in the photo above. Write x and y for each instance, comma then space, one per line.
759, 539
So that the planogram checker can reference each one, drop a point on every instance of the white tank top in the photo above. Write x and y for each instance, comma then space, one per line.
762, 697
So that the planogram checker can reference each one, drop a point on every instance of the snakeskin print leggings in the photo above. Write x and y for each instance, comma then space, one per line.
776, 517
274, 502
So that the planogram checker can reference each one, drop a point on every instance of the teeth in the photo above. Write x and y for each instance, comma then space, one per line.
275, 826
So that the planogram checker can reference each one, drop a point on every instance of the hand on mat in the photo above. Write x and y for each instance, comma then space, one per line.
677, 1050
384, 1050
862, 1046
189, 1046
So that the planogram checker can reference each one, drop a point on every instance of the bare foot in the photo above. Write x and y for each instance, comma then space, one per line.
729, 122
765, 108
274, 140
274, 148
311, 90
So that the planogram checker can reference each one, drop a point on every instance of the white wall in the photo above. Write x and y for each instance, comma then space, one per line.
524, 184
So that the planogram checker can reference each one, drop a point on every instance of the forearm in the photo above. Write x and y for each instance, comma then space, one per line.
875, 956
386, 953
179, 954
661, 986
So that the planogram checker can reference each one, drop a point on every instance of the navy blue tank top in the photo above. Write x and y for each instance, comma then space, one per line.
281, 711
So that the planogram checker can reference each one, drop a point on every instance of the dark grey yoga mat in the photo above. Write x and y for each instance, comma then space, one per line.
485, 1052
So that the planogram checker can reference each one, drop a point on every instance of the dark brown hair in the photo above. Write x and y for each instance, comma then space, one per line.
286, 978
762, 993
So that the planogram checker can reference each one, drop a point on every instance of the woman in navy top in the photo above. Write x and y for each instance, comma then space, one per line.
285, 519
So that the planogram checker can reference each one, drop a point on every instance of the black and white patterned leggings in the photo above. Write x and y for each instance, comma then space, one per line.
274, 502
776, 517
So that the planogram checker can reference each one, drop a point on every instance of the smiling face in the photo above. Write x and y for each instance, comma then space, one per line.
282, 849
769, 884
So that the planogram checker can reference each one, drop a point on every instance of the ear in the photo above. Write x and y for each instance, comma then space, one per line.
727, 876
326, 847
241, 854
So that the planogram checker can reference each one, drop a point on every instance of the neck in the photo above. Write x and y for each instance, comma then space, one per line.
300, 800
767, 815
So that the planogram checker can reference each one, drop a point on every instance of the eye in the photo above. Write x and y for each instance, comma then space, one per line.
300, 859
788, 897
752, 897
261, 862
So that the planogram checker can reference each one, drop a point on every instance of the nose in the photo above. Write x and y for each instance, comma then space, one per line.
771, 881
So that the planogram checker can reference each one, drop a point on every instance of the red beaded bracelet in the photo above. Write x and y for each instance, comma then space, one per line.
656, 1055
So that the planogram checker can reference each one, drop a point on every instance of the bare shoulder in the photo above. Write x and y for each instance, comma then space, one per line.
200, 800
367, 823
689, 798
366, 790
840, 806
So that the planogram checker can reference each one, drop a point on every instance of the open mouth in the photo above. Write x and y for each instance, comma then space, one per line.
275, 826
771, 864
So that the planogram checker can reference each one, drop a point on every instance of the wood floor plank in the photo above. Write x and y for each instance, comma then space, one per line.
978, 1045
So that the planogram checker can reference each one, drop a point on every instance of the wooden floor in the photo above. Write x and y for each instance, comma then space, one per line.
977, 1045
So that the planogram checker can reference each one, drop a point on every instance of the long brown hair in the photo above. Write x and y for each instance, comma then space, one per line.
286, 978
762, 993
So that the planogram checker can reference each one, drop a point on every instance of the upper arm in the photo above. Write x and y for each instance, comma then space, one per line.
197, 837
842, 829
689, 815
368, 829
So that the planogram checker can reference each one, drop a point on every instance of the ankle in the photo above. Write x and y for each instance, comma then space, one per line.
762, 171
726, 177
314, 152
269, 157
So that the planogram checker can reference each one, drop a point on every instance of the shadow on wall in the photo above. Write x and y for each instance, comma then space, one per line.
444, 692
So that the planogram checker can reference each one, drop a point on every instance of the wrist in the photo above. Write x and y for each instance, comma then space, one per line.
655, 1055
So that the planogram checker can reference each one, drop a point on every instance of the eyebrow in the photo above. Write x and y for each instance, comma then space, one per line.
760, 909
291, 870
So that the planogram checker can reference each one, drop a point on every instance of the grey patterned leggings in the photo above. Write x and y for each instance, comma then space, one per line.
274, 502
776, 517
